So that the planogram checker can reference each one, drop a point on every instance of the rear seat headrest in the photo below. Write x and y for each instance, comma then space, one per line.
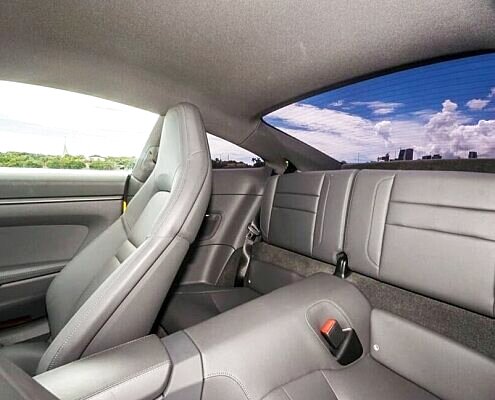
431, 232
306, 212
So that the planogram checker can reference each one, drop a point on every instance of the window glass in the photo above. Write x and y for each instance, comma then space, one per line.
225, 154
439, 111
42, 127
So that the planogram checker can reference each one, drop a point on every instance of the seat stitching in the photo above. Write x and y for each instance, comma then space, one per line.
232, 377
442, 205
126, 379
118, 272
209, 291
118, 346
440, 231
328, 382
294, 209
382, 244
286, 393
375, 192
300, 194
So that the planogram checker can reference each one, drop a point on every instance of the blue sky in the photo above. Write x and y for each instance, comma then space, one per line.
446, 108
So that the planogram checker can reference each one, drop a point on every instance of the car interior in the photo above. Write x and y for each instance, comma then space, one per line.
247, 200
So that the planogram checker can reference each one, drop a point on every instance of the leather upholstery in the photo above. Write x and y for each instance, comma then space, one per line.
306, 211
303, 212
427, 231
25, 355
270, 348
112, 375
112, 290
430, 232
16, 384
192, 304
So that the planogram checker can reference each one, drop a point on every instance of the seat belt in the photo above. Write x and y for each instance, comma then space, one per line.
253, 235
125, 196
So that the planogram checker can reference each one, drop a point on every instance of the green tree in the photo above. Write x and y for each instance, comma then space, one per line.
102, 165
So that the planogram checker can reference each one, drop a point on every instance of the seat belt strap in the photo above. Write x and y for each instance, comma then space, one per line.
125, 196
253, 235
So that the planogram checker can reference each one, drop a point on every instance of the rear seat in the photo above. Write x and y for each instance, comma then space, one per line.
301, 212
428, 235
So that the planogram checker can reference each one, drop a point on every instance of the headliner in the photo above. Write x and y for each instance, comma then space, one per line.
235, 60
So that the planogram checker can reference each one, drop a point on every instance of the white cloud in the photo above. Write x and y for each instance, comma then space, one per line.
450, 134
338, 103
477, 104
383, 129
449, 106
350, 137
379, 107
492, 92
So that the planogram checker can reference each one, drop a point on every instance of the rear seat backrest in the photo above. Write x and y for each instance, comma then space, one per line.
430, 232
306, 212
303, 212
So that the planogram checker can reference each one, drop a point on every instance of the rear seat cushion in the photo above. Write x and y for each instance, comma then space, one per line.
195, 303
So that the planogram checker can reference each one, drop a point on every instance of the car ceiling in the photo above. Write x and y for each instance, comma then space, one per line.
236, 60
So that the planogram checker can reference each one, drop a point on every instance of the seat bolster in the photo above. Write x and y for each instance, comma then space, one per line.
25, 355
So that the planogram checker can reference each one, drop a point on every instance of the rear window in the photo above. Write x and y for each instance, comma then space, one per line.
439, 111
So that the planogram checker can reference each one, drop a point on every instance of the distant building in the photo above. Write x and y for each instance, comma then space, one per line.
473, 154
406, 154
436, 157
96, 158
385, 158
426, 157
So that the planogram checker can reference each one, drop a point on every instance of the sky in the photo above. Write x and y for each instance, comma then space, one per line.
446, 108
225, 150
37, 119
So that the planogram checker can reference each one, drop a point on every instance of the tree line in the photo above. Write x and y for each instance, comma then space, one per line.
32, 160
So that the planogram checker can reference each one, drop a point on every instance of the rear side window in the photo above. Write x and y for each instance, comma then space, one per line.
434, 112
225, 154
42, 127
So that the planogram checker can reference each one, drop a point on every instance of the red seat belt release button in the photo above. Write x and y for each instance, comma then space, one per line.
333, 333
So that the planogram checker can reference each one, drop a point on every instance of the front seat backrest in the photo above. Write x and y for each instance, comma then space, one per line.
112, 290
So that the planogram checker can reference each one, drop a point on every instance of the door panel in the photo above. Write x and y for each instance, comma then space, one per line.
46, 217
235, 200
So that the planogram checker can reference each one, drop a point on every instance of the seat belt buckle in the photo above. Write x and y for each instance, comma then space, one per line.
333, 333
253, 232
344, 344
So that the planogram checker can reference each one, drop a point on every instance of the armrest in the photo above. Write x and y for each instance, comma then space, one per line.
137, 370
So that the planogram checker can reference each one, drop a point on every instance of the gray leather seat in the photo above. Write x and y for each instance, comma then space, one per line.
112, 290
430, 236
304, 212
